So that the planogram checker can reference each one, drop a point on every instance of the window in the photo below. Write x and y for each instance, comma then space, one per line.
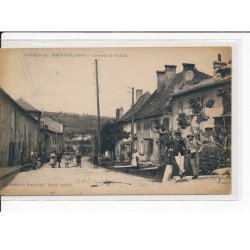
180, 107
142, 126
147, 125
155, 124
166, 123
152, 126
141, 150
12, 120
222, 121
150, 147
138, 126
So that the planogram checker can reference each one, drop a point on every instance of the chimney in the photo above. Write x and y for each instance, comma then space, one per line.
160, 79
170, 71
188, 71
219, 57
164, 76
139, 93
217, 65
119, 113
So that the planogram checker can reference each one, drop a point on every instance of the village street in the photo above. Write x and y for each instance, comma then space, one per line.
100, 181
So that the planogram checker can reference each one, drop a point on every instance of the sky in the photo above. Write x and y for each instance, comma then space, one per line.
64, 79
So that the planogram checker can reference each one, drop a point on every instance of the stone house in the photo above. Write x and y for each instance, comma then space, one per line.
19, 132
204, 90
51, 135
123, 148
50, 131
157, 111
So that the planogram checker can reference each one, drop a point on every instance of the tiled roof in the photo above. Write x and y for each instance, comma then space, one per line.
203, 84
16, 104
159, 100
137, 106
25, 105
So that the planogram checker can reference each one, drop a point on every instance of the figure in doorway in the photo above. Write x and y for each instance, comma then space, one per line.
135, 159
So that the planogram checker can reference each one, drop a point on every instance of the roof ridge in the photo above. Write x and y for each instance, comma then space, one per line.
26, 105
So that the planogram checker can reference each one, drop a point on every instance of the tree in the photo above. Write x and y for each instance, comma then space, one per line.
198, 112
111, 133
183, 120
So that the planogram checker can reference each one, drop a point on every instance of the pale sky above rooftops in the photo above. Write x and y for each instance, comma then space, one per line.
63, 79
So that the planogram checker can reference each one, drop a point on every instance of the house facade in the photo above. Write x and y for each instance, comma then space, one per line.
159, 110
50, 131
51, 135
203, 91
19, 132
123, 148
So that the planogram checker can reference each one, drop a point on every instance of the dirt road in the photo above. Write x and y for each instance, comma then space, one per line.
100, 181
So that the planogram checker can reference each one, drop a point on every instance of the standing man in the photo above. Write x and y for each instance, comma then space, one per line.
34, 158
168, 158
78, 159
59, 158
193, 148
179, 150
22, 156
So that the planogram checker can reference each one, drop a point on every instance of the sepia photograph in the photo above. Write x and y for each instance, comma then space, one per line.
116, 121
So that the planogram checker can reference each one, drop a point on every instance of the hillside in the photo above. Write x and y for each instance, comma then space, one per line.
77, 124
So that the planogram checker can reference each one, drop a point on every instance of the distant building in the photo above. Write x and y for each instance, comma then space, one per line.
19, 132
123, 148
51, 135
51, 131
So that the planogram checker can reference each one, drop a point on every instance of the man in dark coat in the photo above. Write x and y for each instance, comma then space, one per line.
168, 158
179, 151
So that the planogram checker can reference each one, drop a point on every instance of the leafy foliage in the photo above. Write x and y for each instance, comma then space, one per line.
210, 103
111, 133
183, 120
199, 111
202, 117
210, 157
195, 106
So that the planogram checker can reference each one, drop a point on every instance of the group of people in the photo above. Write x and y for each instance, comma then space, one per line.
176, 149
56, 159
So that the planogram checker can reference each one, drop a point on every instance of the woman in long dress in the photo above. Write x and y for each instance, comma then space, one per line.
52, 161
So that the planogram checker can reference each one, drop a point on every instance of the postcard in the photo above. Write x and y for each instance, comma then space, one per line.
116, 121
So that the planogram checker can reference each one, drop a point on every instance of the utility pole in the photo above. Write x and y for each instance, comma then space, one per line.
98, 110
132, 119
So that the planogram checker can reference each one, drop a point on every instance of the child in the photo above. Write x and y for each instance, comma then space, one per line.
68, 160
